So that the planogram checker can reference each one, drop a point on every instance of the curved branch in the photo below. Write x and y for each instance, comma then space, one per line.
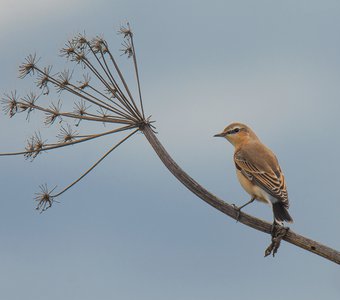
201, 192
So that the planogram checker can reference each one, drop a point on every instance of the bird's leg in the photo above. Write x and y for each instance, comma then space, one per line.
278, 231
239, 208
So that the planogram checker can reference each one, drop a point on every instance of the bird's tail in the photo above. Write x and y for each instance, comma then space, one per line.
281, 213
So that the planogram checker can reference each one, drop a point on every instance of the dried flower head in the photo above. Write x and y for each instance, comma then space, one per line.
35, 145
64, 79
43, 79
28, 66
80, 58
44, 198
67, 134
10, 104
125, 30
81, 41
53, 113
29, 148
127, 48
98, 45
69, 49
38, 142
27, 103
80, 108
85, 82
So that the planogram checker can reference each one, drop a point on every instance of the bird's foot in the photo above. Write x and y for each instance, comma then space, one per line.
238, 212
278, 232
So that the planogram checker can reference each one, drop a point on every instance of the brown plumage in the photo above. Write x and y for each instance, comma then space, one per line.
258, 170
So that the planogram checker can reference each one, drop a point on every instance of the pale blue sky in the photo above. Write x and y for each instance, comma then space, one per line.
131, 231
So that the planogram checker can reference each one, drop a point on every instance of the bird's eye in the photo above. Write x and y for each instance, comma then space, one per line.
236, 130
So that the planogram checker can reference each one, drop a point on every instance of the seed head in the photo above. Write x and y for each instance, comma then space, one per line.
10, 103
27, 103
80, 108
67, 134
28, 66
69, 49
98, 44
81, 41
53, 113
80, 58
64, 79
44, 198
43, 80
85, 82
127, 48
125, 31
35, 145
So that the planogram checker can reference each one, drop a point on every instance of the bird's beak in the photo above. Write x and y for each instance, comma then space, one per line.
222, 134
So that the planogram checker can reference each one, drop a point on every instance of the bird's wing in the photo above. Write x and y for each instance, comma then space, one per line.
264, 173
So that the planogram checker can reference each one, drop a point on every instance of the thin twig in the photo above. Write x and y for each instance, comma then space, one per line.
96, 164
81, 140
106, 73
121, 78
137, 75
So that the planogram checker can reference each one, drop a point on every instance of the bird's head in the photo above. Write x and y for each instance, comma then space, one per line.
237, 133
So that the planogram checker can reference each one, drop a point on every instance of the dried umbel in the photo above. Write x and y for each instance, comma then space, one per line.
67, 134
10, 104
106, 99
125, 30
29, 65
44, 198
43, 80
53, 113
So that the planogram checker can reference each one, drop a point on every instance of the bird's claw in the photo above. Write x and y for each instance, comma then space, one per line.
238, 212
277, 232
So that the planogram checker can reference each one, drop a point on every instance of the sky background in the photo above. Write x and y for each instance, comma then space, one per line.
130, 230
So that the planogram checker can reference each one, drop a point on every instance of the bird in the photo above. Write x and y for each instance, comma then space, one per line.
258, 171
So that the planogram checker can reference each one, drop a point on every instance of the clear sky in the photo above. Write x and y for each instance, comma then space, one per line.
130, 230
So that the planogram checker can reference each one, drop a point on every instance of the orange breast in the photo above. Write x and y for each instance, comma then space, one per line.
251, 188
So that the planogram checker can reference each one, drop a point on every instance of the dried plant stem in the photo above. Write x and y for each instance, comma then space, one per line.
137, 75
124, 111
96, 164
87, 116
134, 110
201, 192
120, 97
122, 78
81, 140
81, 93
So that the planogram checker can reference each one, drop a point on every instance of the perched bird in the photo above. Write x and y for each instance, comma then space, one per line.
258, 170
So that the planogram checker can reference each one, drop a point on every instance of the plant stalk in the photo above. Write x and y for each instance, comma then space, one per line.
228, 209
